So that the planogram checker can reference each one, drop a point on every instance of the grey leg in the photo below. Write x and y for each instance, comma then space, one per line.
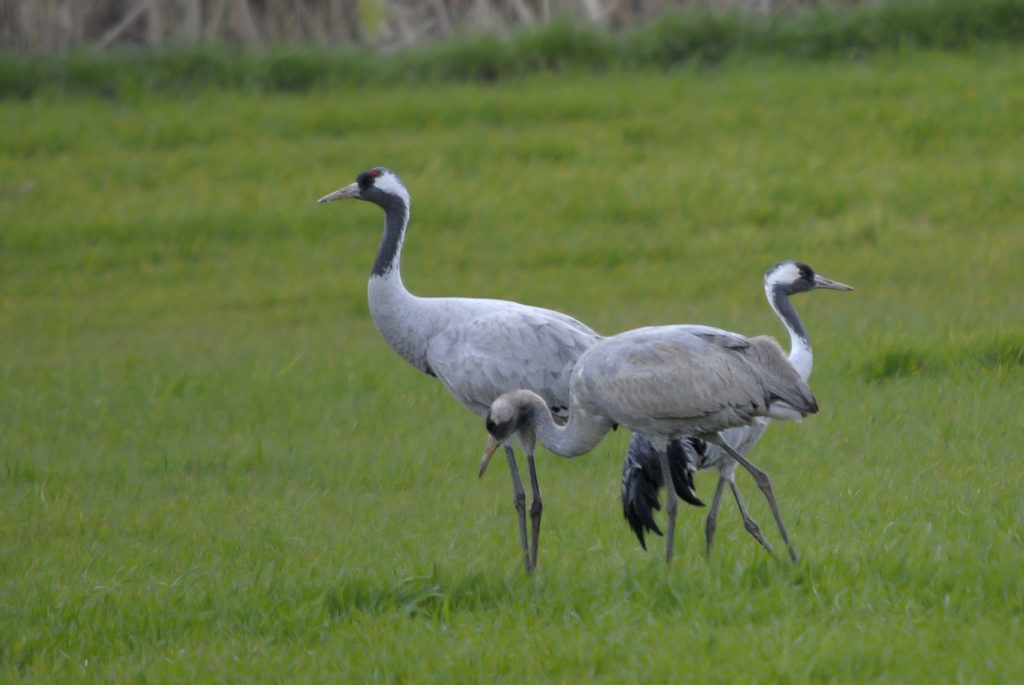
711, 522
520, 504
750, 524
765, 483
536, 507
671, 504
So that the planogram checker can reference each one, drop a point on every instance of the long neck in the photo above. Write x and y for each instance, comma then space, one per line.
395, 311
580, 434
389, 253
800, 354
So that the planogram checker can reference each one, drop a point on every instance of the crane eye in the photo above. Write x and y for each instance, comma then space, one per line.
366, 179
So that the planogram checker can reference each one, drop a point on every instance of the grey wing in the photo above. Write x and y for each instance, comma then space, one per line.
682, 333
482, 358
665, 377
723, 374
711, 335
781, 380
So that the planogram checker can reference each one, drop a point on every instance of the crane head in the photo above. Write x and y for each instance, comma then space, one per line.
510, 414
796, 277
379, 185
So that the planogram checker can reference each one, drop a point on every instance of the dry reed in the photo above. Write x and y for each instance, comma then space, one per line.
42, 26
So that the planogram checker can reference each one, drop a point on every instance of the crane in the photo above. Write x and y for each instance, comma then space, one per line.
478, 348
642, 474
663, 383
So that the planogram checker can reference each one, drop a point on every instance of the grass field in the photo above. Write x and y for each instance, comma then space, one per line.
212, 469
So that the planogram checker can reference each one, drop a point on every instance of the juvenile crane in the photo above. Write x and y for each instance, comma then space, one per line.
478, 348
663, 383
642, 473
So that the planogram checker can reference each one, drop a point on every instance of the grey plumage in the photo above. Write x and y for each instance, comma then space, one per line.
642, 473
478, 348
664, 383
480, 357
675, 381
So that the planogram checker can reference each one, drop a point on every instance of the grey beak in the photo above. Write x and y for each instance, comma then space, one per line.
829, 284
345, 193
489, 450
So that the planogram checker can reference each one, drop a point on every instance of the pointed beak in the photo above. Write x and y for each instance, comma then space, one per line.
345, 193
829, 284
489, 450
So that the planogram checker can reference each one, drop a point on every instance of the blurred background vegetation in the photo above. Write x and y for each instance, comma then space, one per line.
129, 47
63, 24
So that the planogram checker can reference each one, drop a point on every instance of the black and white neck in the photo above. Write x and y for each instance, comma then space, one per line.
391, 195
780, 282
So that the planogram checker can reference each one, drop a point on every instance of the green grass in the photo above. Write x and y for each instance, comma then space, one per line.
212, 469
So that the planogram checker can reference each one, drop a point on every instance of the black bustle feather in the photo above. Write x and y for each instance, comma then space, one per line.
642, 479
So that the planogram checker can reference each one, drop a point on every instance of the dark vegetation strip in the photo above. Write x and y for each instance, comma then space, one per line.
693, 37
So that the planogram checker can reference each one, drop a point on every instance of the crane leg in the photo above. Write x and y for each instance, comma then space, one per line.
671, 504
519, 499
711, 522
765, 483
750, 524
536, 507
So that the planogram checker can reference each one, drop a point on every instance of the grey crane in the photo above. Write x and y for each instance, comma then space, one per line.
663, 383
642, 473
478, 348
